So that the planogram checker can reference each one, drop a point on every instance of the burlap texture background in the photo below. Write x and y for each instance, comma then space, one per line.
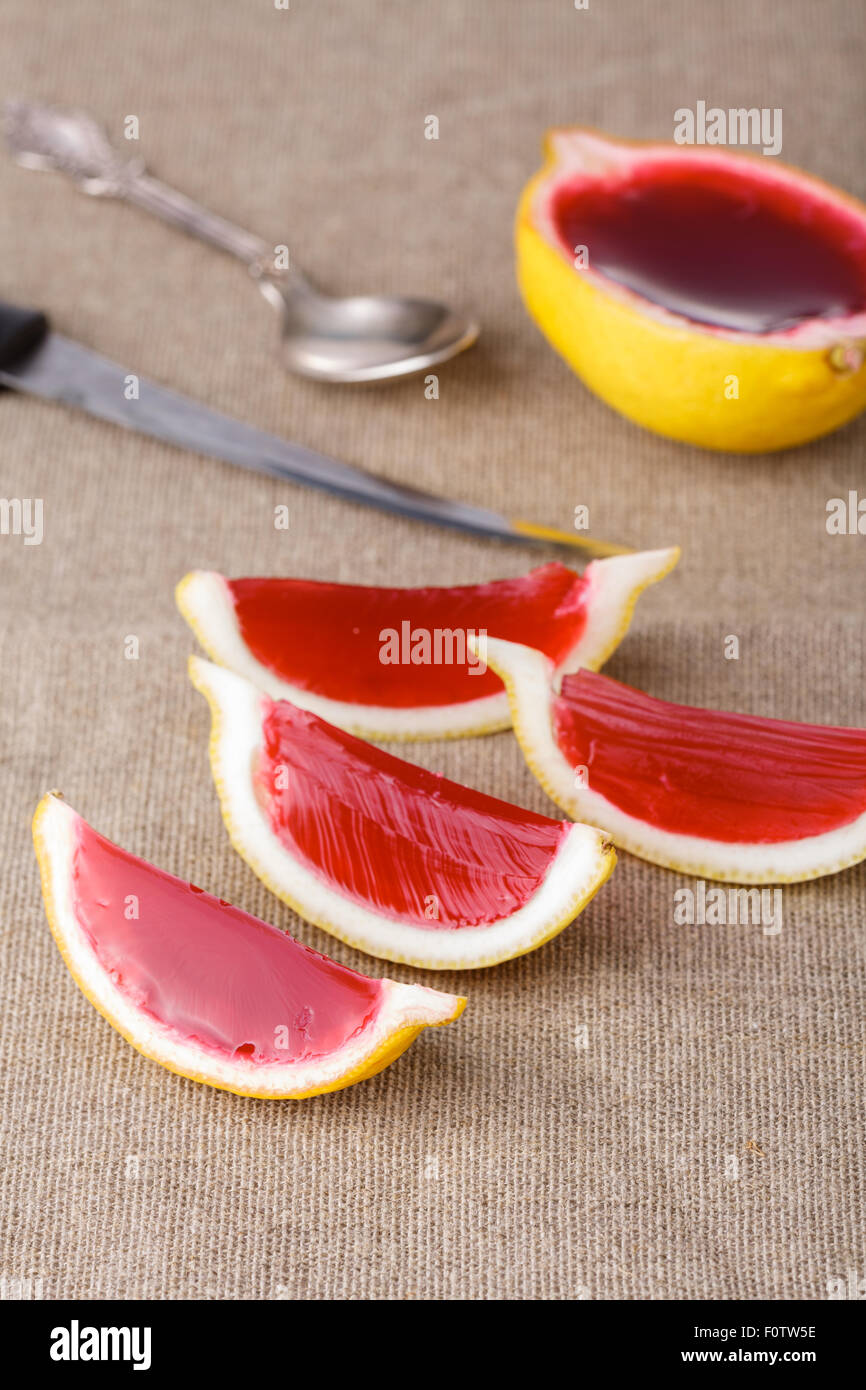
499, 1157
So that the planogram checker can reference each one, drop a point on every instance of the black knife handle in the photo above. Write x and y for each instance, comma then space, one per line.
21, 330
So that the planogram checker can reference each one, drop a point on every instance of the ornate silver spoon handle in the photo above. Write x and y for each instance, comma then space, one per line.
72, 143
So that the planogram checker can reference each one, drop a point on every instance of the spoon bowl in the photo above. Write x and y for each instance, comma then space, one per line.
363, 338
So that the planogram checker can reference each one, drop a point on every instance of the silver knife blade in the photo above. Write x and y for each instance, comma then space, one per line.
64, 371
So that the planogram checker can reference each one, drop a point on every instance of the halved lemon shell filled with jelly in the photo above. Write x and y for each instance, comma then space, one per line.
395, 663
708, 792
385, 855
208, 991
712, 296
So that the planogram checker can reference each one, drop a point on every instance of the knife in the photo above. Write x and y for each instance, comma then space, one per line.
39, 362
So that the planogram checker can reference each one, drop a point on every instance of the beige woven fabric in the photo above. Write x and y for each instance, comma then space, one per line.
637, 1110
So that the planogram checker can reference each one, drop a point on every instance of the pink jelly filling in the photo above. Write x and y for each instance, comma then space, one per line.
212, 973
718, 245
393, 836
328, 638
698, 772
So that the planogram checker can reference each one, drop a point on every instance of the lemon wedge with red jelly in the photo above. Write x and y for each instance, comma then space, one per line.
709, 792
392, 663
390, 857
208, 991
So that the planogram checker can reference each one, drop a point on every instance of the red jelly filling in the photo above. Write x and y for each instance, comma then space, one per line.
731, 777
719, 246
328, 638
395, 837
210, 972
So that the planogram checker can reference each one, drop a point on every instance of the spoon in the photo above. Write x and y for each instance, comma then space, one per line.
355, 339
